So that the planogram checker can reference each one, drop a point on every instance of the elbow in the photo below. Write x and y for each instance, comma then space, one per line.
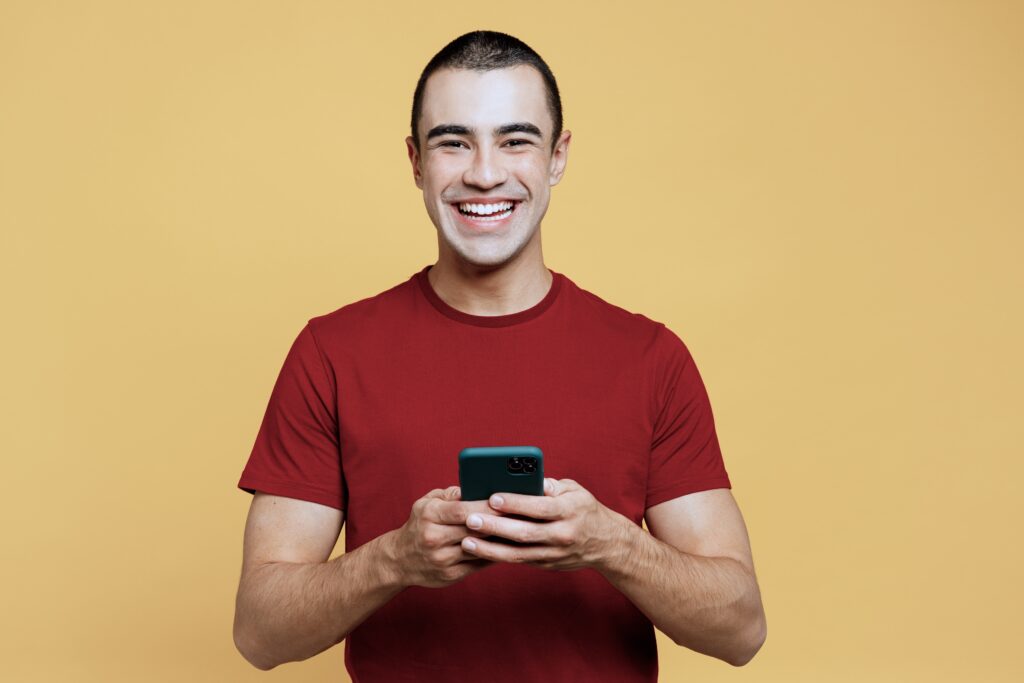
737, 645
751, 643
250, 649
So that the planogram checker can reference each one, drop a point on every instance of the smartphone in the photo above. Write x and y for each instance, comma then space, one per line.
485, 470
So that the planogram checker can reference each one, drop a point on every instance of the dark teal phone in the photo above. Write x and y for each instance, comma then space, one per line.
484, 470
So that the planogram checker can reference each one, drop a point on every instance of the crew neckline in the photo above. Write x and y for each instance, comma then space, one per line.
489, 320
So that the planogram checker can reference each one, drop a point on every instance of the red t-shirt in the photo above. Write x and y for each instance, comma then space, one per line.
376, 399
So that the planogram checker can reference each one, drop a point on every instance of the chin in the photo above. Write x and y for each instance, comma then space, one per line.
485, 253
484, 260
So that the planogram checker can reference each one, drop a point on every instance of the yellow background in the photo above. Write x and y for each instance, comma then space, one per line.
824, 200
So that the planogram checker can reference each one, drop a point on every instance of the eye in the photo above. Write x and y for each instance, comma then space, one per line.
518, 142
449, 143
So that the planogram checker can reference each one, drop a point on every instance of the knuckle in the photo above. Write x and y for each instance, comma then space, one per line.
430, 539
457, 512
429, 508
563, 538
452, 573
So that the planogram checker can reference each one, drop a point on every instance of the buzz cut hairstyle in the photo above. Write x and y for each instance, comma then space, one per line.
486, 51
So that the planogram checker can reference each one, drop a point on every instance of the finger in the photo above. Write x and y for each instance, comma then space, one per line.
435, 536
450, 493
435, 493
523, 531
453, 554
537, 507
455, 511
467, 556
500, 552
556, 487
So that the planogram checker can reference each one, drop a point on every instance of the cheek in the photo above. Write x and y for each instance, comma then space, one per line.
440, 171
533, 170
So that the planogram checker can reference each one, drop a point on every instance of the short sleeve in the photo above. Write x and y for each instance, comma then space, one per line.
297, 453
685, 456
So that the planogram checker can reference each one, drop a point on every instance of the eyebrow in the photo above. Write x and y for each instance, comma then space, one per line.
457, 129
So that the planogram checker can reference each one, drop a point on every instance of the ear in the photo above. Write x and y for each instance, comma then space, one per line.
414, 159
559, 157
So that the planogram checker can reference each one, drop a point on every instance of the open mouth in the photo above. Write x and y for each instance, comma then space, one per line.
484, 213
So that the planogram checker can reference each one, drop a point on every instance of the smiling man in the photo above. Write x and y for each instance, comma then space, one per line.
489, 158
488, 346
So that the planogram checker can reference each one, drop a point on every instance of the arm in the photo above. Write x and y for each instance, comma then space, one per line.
697, 585
292, 603
693, 575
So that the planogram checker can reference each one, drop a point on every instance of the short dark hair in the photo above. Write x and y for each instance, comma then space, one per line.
484, 51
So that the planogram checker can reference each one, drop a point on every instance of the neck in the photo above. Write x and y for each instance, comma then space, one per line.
480, 290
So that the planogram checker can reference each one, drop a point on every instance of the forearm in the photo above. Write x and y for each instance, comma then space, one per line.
709, 604
288, 611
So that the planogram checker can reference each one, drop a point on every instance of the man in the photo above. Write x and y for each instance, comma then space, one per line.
489, 347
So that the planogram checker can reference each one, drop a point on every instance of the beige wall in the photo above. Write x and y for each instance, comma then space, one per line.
824, 200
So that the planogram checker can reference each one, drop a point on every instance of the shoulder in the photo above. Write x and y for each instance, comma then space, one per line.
366, 318
639, 331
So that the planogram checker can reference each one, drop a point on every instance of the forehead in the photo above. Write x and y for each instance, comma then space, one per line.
485, 99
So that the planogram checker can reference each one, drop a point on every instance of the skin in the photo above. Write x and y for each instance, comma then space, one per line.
697, 586
692, 574
503, 271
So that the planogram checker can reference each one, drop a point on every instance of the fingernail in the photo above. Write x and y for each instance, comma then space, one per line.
475, 521
471, 544
497, 501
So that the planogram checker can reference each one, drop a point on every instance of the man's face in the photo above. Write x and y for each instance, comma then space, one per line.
485, 162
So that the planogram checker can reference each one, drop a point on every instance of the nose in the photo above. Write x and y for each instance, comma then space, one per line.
485, 169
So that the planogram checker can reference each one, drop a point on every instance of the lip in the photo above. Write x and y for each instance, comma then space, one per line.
483, 224
485, 200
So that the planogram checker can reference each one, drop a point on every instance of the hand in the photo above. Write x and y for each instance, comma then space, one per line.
571, 529
427, 546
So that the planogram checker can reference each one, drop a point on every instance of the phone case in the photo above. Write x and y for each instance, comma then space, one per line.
484, 470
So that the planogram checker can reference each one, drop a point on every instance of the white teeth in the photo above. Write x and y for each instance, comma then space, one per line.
494, 217
485, 209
